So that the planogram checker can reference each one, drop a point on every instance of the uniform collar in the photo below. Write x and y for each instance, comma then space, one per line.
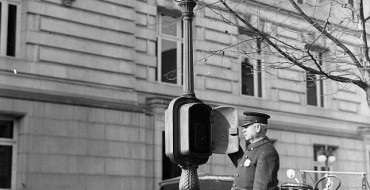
258, 143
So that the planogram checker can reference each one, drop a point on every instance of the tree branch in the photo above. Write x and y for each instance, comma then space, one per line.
293, 60
328, 35
362, 28
366, 19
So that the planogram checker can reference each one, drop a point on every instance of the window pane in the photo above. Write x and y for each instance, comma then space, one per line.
1, 8
6, 129
259, 68
311, 90
169, 25
321, 82
12, 20
259, 78
169, 169
169, 61
6, 166
322, 93
247, 78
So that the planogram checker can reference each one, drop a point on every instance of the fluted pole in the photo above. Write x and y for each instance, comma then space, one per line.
187, 7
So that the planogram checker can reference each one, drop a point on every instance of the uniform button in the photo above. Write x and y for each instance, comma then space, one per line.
237, 175
241, 165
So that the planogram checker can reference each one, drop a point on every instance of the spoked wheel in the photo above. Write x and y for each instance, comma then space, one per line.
328, 182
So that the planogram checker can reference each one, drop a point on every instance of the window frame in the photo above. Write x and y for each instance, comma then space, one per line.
4, 27
179, 46
258, 74
14, 143
318, 166
319, 85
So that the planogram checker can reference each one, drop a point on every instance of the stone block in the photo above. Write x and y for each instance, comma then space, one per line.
82, 45
80, 113
83, 17
97, 115
216, 25
151, 48
289, 96
54, 163
114, 117
98, 148
144, 7
140, 183
86, 165
290, 149
219, 37
117, 167
304, 150
67, 146
35, 144
288, 162
348, 106
141, 45
145, 59
151, 71
94, 182
289, 85
141, 71
55, 181
33, 162
217, 72
96, 131
119, 133
303, 138
141, 19
55, 26
218, 84
145, 33
85, 60
126, 118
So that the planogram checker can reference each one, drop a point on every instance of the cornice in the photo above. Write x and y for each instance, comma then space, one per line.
69, 99
316, 131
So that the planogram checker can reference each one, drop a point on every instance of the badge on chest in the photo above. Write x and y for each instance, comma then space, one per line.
247, 163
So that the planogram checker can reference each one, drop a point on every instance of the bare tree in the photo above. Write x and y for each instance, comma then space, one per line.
331, 31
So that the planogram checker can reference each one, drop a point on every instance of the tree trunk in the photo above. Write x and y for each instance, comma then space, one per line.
367, 90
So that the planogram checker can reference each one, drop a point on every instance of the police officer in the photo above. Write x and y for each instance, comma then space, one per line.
258, 166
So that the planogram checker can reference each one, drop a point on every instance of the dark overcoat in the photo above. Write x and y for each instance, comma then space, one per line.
258, 167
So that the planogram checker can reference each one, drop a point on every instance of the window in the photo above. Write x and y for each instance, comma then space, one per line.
169, 49
8, 31
169, 169
323, 157
315, 87
251, 74
7, 154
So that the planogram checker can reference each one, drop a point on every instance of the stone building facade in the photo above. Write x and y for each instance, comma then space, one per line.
84, 85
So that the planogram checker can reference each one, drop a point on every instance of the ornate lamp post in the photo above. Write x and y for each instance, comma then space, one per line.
189, 177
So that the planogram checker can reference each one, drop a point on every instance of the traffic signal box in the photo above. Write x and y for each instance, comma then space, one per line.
188, 132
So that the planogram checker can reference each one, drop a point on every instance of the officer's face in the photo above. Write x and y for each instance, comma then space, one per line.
250, 132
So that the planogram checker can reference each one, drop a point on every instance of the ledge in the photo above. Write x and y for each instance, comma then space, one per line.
69, 99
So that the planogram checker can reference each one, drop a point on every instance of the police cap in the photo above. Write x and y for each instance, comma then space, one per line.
254, 117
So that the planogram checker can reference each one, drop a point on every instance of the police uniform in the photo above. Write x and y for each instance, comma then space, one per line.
258, 166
